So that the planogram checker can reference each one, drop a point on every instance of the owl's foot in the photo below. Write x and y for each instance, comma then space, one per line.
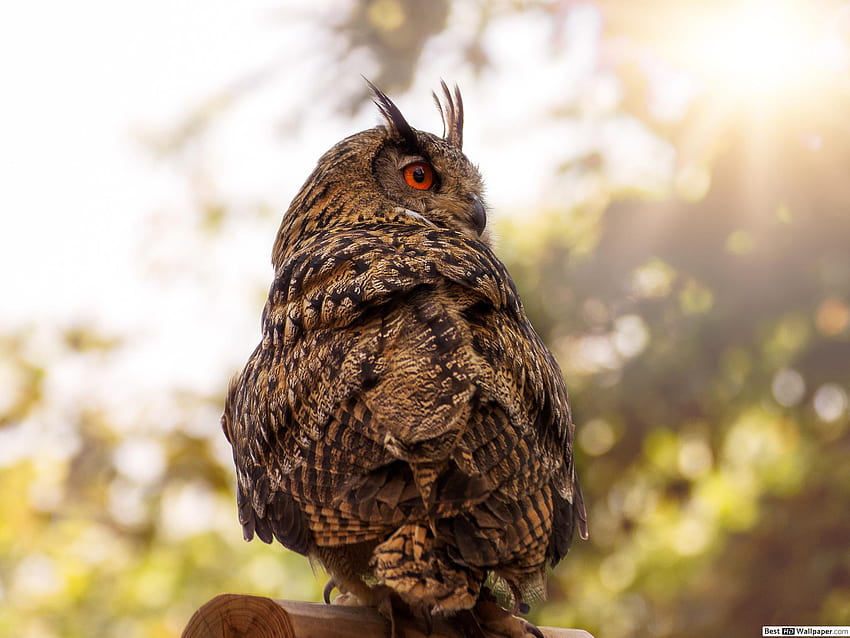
360, 597
383, 598
488, 619
344, 598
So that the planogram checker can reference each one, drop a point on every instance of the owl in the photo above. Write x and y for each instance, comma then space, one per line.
401, 423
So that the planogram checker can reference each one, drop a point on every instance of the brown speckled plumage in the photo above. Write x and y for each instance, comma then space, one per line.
401, 421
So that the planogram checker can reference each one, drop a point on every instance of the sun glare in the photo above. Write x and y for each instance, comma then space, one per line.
758, 51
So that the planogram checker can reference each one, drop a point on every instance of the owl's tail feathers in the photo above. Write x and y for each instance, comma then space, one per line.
414, 565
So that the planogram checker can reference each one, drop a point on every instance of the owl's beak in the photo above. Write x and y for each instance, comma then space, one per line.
478, 213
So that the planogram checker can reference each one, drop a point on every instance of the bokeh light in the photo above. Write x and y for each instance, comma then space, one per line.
758, 54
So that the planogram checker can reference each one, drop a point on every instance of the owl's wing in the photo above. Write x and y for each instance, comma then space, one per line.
369, 355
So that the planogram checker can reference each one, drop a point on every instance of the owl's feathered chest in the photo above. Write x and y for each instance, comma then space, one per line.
417, 317
334, 279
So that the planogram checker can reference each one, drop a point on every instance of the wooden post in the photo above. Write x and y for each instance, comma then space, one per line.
241, 616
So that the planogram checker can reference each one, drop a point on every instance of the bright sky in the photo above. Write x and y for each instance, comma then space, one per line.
81, 81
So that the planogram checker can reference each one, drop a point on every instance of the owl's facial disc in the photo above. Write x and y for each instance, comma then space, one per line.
436, 185
429, 176
446, 203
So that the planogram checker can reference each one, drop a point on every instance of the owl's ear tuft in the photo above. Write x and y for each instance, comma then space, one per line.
452, 115
398, 126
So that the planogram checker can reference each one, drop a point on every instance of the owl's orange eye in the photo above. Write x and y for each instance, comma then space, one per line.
419, 175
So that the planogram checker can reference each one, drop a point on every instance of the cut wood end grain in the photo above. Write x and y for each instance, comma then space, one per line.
243, 616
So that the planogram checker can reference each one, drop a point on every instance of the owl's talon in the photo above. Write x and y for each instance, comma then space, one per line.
326, 592
344, 598
519, 607
425, 612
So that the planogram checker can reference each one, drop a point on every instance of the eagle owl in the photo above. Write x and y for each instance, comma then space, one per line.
401, 422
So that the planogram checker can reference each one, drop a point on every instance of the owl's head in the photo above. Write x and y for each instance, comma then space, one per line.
429, 176
392, 173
